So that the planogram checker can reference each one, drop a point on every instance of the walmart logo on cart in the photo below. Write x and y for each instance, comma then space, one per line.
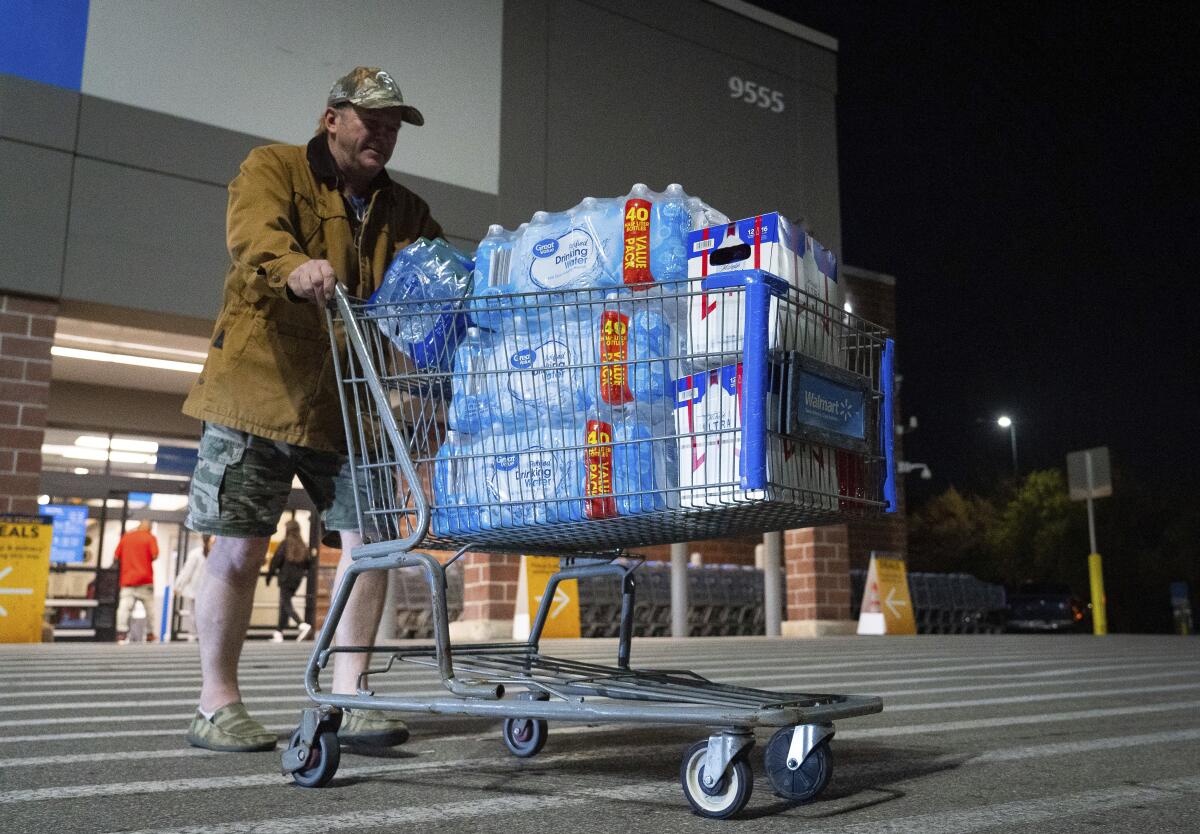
839, 409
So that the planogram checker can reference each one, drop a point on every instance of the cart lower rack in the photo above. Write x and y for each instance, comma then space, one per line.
598, 401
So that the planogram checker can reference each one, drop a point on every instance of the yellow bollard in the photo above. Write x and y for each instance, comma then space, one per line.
1096, 574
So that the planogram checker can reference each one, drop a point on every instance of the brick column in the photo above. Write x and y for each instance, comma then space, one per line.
489, 597
26, 334
818, 582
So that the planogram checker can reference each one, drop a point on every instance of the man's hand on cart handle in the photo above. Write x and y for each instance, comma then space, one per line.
313, 280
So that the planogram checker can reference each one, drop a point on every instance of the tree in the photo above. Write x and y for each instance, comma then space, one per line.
950, 535
1040, 535
1032, 531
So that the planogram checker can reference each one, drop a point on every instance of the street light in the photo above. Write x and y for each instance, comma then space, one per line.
1005, 422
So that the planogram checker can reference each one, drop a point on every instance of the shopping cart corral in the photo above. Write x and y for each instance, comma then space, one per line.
806, 441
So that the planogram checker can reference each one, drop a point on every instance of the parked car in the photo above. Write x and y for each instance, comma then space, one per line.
1046, 608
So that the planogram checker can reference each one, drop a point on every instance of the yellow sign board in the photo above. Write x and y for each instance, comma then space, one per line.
24, 573
563, 617
887, 605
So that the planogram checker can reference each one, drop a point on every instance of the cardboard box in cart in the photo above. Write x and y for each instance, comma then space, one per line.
716, 321
708, 425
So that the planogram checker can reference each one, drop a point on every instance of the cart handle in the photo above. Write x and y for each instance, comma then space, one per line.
354, 336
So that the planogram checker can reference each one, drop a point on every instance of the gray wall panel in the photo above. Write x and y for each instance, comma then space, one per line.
462, 212
119, 409
632, 103
524, 89
40, 114
141, 138
34, 193
145, 240
816, 148
722, 30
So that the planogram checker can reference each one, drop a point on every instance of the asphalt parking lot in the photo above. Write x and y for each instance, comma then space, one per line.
978, 733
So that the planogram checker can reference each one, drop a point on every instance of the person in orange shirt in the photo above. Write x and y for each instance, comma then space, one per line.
136, 551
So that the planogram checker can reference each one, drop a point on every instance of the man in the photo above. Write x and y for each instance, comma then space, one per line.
136, 551
299, 220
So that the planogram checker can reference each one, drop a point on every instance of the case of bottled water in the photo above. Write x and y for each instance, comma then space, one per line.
630, 241
578, 323
772, 244
708, 423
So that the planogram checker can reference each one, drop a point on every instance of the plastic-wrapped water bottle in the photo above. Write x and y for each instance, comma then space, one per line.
576, 249
629, 463
631, 241
421, 291
671, 220
652, 345
635, 341
488, 305
457, 487
540, 375
535, 482
474, 401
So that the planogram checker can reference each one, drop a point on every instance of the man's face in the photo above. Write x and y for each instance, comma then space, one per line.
362, 140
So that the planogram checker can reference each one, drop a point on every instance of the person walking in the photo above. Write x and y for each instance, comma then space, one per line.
136, 552
188, 581
291, 563
299, 220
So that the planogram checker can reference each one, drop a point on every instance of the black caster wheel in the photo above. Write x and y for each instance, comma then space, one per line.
322, 762
524, 737
806, 782
722, 800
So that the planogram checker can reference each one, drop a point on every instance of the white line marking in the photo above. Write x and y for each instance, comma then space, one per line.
1040, 696
300, 702
494, 806
1022, 814
1014, 720
274, 779
292, 682
986, 757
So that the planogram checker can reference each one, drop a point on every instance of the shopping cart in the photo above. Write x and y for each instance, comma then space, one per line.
630, 417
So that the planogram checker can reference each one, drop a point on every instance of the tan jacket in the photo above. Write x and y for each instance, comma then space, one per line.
269, 369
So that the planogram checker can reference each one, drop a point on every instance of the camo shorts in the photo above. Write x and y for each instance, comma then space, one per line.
242, 482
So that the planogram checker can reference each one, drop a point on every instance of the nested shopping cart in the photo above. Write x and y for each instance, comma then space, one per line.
587, 424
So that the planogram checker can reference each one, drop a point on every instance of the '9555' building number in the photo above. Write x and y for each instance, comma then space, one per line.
752, 92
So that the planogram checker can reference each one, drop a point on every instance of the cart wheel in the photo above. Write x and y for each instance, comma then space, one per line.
524, 737
807, 781
322, 762
724, 799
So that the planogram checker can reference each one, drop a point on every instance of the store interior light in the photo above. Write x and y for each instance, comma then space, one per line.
84, 453
125, 359
92, 441
126, 348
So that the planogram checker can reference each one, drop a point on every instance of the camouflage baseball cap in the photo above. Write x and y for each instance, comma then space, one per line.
372, 88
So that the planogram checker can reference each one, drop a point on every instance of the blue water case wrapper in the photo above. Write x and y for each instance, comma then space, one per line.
431, 278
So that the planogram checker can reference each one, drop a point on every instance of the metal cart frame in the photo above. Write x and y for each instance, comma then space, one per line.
481, 679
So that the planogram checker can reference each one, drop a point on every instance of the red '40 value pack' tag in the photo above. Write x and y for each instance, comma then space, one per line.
600, 502
637, 244
614, 353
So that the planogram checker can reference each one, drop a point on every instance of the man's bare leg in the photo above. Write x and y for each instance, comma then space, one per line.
223, 607
360, 620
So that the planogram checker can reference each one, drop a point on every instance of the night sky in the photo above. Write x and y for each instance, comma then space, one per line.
1026, 173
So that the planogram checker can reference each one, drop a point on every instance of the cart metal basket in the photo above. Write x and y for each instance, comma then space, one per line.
608, 419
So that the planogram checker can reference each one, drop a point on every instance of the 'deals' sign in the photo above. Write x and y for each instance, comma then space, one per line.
24, 571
